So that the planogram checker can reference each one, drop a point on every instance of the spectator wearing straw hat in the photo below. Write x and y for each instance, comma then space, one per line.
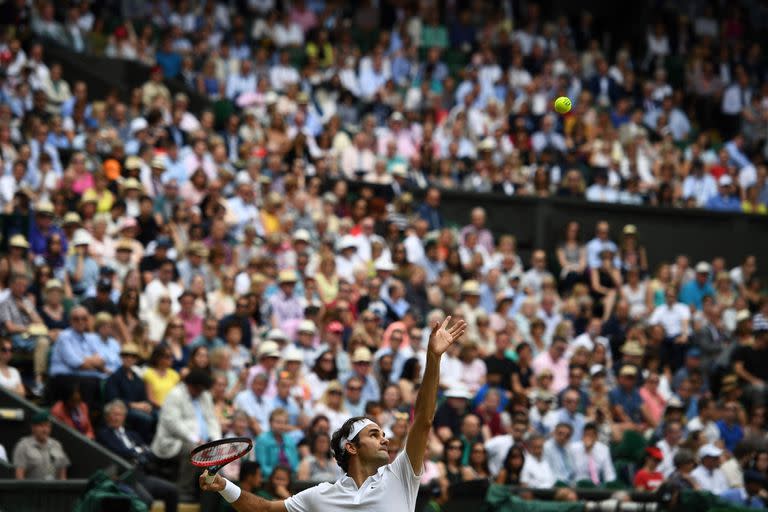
285, 308
126, 385
361, 368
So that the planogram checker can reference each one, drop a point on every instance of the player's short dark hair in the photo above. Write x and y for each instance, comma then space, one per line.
249, 468
339, 453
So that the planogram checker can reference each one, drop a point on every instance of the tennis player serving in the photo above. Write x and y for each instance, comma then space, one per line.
360, 448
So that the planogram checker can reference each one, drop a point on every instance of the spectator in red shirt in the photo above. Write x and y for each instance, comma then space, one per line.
648, 478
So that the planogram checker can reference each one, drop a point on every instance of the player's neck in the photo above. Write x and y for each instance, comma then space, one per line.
360, 471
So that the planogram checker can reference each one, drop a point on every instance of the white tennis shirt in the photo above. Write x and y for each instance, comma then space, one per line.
393, 488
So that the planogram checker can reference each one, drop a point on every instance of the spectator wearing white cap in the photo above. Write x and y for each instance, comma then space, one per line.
347, 258
306, 334
693, 292
725, 200
82, 269
708, 474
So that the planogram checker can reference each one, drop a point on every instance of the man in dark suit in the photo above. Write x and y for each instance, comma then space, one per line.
602, 85
129, 445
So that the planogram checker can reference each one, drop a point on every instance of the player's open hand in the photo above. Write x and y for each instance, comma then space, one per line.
215, 486
442, 336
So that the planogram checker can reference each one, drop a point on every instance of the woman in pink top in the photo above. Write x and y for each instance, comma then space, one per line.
386, 340
83, 179
473, 368
652, 399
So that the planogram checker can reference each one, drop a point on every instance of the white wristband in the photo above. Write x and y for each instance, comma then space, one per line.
231, 492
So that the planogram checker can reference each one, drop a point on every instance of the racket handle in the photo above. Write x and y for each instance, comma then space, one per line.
209, 477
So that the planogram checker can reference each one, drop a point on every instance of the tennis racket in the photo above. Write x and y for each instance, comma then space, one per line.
215, 455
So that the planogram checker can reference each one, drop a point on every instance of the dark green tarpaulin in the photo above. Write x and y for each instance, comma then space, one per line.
501, 499
102, 489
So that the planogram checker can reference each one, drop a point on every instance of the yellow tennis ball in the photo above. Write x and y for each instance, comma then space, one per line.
563, 105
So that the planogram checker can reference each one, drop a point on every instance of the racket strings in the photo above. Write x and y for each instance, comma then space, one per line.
220, 452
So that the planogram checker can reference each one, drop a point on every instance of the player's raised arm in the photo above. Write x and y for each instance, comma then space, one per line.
242, 501
440, 339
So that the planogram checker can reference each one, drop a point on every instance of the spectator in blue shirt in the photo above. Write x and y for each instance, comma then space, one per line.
42, 227
694, 291
276, 448
625, 400
108, 347
82, 268
430, 209
749, 495
725, 200
730, 429
76, 357
284, 400
168, 60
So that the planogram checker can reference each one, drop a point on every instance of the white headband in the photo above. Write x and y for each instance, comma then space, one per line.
357, 427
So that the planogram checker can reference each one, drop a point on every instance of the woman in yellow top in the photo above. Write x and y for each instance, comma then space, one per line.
100, 194
327, 280
160, 378
752, 202
270, 213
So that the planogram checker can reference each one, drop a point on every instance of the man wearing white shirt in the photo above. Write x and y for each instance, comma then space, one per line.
283, 73
360, 447
669, 446
358, 159
700, 185
736, 97
243, 208
242, 82
592, 458
347, 259
497, 447
163, 285
708, 474
536, 473
675, 317
704, 422
547, 137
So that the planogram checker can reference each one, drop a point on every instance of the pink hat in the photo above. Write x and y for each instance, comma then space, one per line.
128, 222
335, 326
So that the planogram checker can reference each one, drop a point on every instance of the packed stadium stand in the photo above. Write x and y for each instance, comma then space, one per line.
243, 218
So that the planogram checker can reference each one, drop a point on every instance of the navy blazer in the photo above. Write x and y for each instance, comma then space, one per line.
108, 438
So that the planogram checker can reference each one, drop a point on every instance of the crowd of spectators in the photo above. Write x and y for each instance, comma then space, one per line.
414, 95
175, 276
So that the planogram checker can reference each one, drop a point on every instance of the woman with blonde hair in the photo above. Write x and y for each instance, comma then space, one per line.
157, 319
331, 405
221, 364
473, 368
327, 280
222, 300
